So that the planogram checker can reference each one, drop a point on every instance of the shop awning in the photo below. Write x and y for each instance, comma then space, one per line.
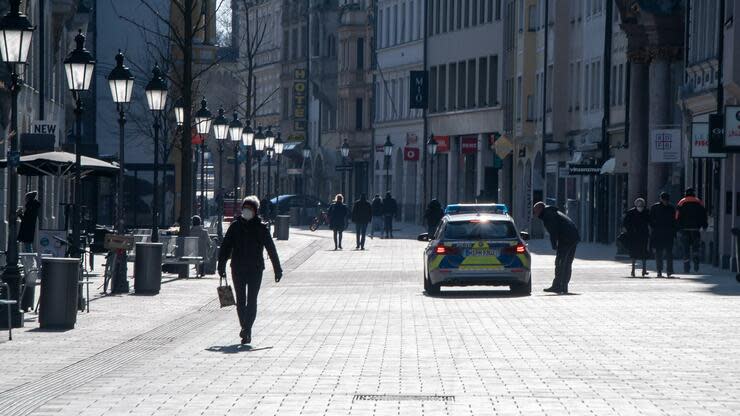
61, 164
608, 167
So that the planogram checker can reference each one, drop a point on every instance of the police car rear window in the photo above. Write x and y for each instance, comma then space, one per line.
479, 230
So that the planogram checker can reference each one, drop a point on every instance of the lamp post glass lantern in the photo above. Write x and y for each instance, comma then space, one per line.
156, 98
344, 150
388, 151
259, 147
235, 133
16, 33
432, 150
179, 112
279, 146
247, 140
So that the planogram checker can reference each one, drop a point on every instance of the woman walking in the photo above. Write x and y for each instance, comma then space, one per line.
636, 224
245, 241
433, 215
338, 219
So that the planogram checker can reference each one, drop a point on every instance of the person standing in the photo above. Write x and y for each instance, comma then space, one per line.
27, 229
691, 217
663, 232
205, 245
337, 214
433, 215
362, 212
377, 221
564, 238
636, 224
245, 241
390, 208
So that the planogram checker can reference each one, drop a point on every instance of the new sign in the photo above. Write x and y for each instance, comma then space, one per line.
419, 87
45, 127
665, 146
700, 142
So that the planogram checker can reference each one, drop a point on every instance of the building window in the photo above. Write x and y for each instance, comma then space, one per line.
493, 81
466, 22
412, 22
613, 92
498, 9
532, 16
381, 26
358, 114
403, 22
360, 53
586, 75
518, 98
620, 88
530, 108
286, 103
471, 83
459, 14
442, 90
461, 67
474, 13
452, 83
433, 89
483, 82
482, 11
294, 44
388, 27
437, 15
395, 25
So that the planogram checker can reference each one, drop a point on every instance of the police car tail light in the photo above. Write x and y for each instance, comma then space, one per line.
443, 250
520, 248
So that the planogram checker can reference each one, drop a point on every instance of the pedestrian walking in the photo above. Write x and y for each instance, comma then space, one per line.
636, 225
691, 217
338, 213
362, 213
377, 221
564, 239
663, 232
27, 229
433, 215
205, 245
390, 208
244, 243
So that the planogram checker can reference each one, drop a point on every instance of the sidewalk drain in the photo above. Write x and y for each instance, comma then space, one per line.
403, 397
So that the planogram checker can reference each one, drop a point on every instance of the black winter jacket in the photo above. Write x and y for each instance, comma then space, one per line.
362, 212
337, 213
244, 244
637, 225
390, 207
377, 207
27, 230
691, 214
434, 214
662, 224
562, 229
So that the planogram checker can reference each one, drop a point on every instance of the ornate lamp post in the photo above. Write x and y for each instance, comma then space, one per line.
235, 133
278, 146
16, 33
79, 67
248, 141
259, 147
203, 120
221, 132
432, 151
270, 152
388, 151
344, 149
156, 99
121, 83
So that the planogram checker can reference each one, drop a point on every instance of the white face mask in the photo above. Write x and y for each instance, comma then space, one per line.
640, 208
247, 214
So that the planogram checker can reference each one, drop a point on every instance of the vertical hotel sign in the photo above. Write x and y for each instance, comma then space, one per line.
300, 100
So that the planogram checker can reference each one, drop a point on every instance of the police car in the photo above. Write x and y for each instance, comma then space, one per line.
454, 209
477, 250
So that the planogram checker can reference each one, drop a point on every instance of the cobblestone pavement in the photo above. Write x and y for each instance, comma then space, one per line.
352, 333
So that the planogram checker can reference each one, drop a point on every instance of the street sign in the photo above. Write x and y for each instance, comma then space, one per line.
732, 128
584, 170
665, 146
411, 154
418, 84
443, 144
503, 147
700, 142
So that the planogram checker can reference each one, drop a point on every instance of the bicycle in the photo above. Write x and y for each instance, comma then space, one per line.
322, 218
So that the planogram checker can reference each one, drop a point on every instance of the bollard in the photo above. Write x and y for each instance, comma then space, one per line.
58, 297
148, 268
282, 227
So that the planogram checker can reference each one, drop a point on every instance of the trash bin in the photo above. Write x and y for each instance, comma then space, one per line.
282, 227
148, 268
58, 298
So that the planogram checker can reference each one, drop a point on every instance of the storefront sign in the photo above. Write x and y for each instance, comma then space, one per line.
665, 146
468, 144
299, 100
411, 154
443, 144
732, 127
700, 142
44, 127
584, 170
418, 84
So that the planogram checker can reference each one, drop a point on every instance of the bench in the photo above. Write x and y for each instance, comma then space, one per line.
190, 255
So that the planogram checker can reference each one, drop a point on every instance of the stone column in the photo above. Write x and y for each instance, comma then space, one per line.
661, 103
638, 128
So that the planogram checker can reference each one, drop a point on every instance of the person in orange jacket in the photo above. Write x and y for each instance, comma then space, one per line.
691, 217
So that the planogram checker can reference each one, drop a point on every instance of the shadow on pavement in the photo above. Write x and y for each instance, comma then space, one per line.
235, 349
473, 294
59, 330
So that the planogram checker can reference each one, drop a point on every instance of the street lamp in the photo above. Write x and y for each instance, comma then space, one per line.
235, 133
203, 120
221, 132
432, 151
156, 99
16, 33
344, 149
179, 112
79, 67
259, 147
388, 151
248, 140
121, 83
279, 146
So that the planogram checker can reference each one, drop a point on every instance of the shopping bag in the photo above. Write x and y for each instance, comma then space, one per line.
225, 294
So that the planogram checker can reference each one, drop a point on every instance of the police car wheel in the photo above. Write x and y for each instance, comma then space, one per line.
429, 287
522, 289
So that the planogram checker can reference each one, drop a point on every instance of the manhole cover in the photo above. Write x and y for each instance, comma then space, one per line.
403, 397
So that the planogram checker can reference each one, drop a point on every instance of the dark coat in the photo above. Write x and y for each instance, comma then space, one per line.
637, 225
338, 213
390, 207
244, 243
662, 225
562, 230
27, 230
691, 214
433, 214
377, 207
362, 212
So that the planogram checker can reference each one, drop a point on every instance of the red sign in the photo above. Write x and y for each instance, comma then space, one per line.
443, 144
468, 144
411, 154
195, 138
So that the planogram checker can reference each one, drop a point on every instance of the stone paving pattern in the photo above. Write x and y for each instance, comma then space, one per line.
349, 323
